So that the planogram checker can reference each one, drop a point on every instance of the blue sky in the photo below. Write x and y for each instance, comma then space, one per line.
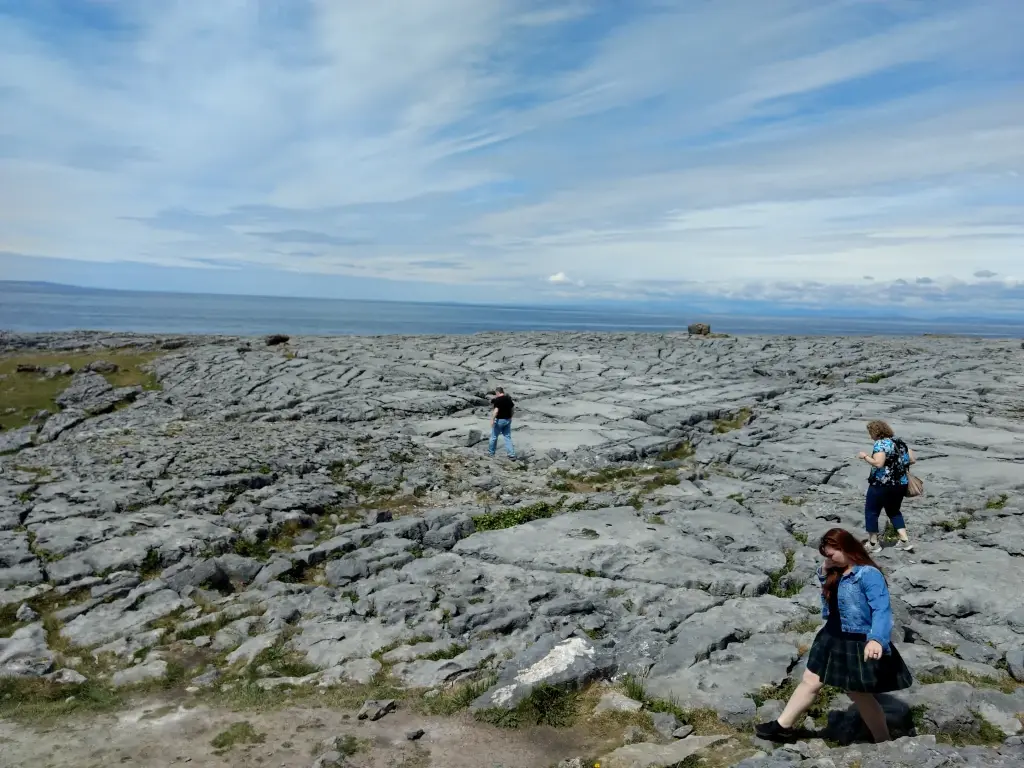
813, 153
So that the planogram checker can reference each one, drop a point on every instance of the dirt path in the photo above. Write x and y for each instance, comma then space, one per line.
159, 734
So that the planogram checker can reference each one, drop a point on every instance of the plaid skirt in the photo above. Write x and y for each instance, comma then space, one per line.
839, 662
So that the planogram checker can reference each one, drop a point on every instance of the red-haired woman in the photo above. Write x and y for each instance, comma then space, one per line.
852, 651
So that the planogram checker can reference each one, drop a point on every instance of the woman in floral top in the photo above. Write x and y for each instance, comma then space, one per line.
890, 460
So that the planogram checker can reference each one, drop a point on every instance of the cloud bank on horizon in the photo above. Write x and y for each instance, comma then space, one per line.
808, 152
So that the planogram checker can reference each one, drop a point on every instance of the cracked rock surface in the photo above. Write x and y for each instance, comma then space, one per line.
331, 499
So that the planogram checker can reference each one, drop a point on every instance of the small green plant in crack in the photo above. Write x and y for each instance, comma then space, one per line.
959, 524
801, 537
737, 497
456, 699
513, 516
151, 566
802, 626
889, 535
947, 649
782, 691
874, 378
998, 502
614, 592
790, 501
446, 653
681, 452
733, 422
776, 578
1006, 684
656, 520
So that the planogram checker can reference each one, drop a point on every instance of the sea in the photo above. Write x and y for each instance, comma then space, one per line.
31, 307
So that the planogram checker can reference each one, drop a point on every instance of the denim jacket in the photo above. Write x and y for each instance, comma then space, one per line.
864, 605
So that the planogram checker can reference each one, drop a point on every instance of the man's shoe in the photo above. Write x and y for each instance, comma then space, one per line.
774, 732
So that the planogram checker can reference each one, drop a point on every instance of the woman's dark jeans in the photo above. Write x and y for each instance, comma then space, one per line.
887, 497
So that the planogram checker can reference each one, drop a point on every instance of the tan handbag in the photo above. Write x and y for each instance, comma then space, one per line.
915, 486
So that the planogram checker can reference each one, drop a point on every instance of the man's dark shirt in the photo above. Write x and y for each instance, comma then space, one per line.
504, 405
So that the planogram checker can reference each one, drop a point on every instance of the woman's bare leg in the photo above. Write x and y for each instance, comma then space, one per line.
872, 714
801, 699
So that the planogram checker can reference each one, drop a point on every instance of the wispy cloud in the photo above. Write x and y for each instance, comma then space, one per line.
785, 151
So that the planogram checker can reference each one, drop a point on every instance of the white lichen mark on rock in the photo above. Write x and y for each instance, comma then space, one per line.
557, 660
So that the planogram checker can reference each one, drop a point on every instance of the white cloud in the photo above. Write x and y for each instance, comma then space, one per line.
480, 143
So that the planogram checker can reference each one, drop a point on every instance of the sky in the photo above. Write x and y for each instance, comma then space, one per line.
806, 153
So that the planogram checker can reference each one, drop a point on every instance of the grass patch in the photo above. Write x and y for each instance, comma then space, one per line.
35, 701
801, 537
552, 705
657, 520
790, 501
513, 516
235, 734
736, 421
29, 393
954, 525
810, 624
782, 692
998, 502
446, 653
1006, 684
704, 721
889, 535
949, 650
874, 378
679, 453
776, 586
456, 699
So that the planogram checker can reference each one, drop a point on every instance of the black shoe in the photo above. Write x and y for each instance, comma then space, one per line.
774, 732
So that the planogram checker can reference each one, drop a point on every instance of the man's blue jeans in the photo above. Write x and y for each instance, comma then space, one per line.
502, 427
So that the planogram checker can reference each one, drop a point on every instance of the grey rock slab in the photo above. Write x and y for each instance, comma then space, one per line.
626, 548
1015, 662
573, 661
658, 755
25, 653
16, 439
614, 701
374, 709
142, 673
252, 648
109, 621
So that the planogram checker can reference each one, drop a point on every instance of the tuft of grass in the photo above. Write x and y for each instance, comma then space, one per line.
556, 706
801, 537
874, 378
237, 733
510, 517
29, 393
614, 592
736, 421
947, 649
456, 699
1006, 684
283, 662
776, 586
782, 691
954, 525
889, 535
810, 624
151, 566
998, 502
446, 653
681, 452
32, 701
657, 520
790, 501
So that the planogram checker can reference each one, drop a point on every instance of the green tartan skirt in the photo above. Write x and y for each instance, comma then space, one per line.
839, 662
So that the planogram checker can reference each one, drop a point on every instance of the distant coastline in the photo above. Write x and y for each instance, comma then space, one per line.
46, 306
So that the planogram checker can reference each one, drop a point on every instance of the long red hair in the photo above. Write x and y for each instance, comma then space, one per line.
847, 543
